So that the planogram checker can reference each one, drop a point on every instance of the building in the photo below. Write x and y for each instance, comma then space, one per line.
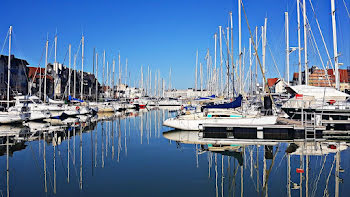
36, 77
18, 78
58, 82
276, 85
186, 93
325, 78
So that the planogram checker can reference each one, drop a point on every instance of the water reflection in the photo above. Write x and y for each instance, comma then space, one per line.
309, 166
63, 149
130, 154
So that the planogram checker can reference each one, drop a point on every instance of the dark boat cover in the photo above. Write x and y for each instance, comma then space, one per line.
234, 104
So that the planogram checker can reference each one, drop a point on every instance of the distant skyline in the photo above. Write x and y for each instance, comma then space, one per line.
164, 34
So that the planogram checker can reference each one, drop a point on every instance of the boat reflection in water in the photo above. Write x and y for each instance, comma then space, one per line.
312, 168
61, 151
127, 154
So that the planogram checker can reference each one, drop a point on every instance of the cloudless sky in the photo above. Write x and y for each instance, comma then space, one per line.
164, 34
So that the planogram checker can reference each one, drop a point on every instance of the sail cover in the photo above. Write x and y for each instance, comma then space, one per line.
234, 104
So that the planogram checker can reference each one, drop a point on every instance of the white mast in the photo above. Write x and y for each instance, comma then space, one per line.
96, 77
196, 78
120, 70
55, 48
75, 75
221, 61
170, 79
141, 81
264, 51
240, 46
215, 40
155, 83
47, 46
103, 71
147, 82
335, 48
256, 58
150, 82
82, 68
69, 65
201, 76
228, 61
233, 69
287, 45
9, 69
113, 78
107, 81
126, 71
250, 65
305, 45
299, 52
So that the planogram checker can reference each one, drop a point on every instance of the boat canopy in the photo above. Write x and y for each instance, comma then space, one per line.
234, 104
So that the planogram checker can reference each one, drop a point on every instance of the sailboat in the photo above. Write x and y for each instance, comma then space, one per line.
13, 114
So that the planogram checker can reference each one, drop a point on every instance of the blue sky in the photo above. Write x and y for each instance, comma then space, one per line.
163, 34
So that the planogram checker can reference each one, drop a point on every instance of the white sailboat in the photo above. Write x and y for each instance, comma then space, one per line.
192, 122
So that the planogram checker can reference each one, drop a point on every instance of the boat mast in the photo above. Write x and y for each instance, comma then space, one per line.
9, 69
240, 46
250, 65
107, 81
113, 78
215, 46
335, 48
141, 80
82, 68
96, 77
228, 60
207, 58
75, 75
256, 59
201, 76
47, 46
196, 78
55, 48
103, 71
299, 52
155, 83
232, 65
170, 78
287, 44
126, 71
221, 61
305, 44
55, 66
264, 51
69, 65
120, 71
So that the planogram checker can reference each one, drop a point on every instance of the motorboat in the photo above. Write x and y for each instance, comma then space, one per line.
36, 106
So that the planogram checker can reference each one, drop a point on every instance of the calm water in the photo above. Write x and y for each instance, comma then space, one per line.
127, 155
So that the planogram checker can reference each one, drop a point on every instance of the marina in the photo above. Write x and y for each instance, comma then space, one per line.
232, 98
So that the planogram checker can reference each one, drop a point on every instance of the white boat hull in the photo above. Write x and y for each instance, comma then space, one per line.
193, 124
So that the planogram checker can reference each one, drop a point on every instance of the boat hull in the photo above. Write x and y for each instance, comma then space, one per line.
193, 124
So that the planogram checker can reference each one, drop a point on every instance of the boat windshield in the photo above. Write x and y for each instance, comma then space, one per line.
25, 101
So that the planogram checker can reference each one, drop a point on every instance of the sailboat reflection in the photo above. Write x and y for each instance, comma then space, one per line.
300, 155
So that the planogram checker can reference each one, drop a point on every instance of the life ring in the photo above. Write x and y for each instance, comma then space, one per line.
77, 108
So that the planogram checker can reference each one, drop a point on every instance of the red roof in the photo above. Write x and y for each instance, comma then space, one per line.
295, 75
36, 71
271, 81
